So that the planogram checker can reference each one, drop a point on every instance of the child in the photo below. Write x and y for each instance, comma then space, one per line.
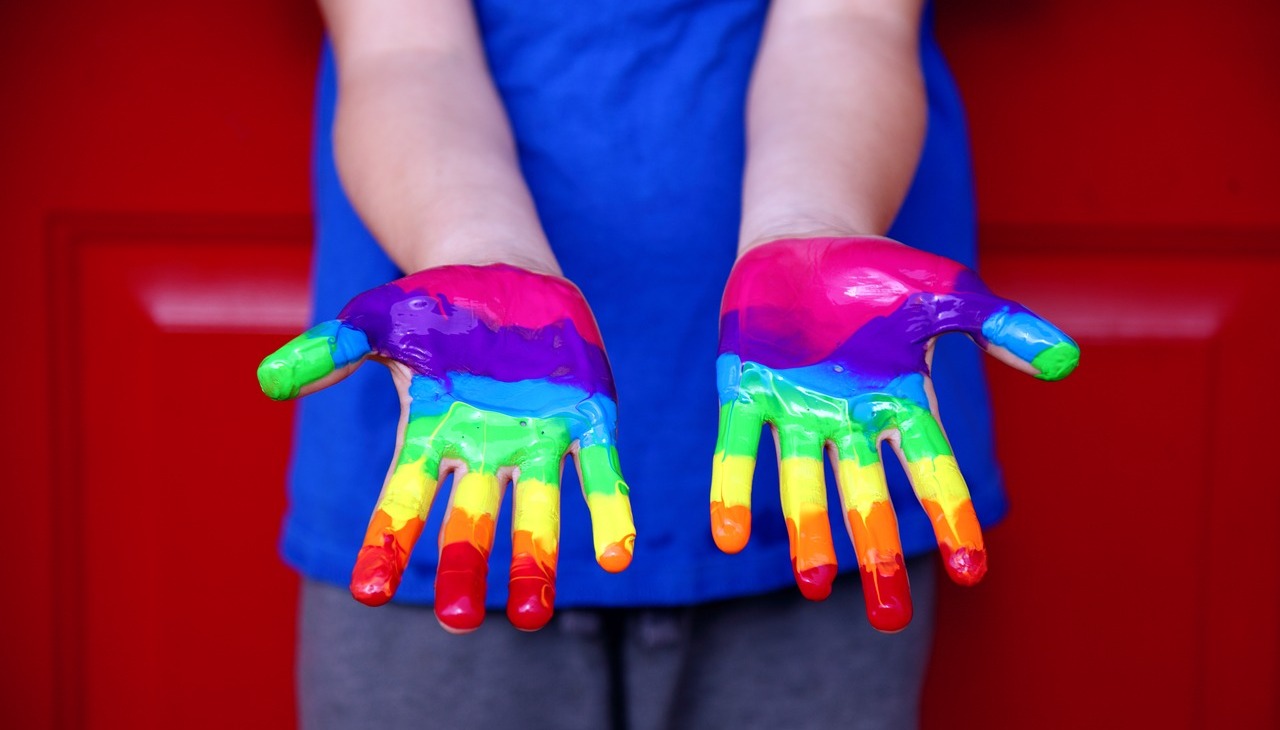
605, 142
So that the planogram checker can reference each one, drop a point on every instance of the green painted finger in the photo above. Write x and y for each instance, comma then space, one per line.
920, 435
310, 357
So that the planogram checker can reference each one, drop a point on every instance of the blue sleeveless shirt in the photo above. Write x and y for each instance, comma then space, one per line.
629, 120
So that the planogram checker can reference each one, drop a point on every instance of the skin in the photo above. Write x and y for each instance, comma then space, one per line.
422, 142
832, 153
502, 375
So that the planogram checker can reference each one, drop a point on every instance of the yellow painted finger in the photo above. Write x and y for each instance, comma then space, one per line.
873, 527
608, 499
731, 474
942, 492
804, 505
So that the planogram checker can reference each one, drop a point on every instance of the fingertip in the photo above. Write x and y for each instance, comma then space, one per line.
1057, 361
531, 591
965, 565
887, 593
459, 615
371, 595
890, 619
530, 610
616, 556
730, 526
376, 575
275, 378
458, 623
460, 587
815, 582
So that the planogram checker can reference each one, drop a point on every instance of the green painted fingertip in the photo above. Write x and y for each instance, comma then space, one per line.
1057, 362
274, 379
306, 359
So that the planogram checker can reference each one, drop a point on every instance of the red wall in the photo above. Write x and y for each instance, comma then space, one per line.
155, 194
1126, 157
155, 232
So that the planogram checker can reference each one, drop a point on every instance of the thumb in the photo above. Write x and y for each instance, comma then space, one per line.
316, 359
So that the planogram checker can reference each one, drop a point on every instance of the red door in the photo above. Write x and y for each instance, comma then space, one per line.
1126, 157
156, 230
156, 235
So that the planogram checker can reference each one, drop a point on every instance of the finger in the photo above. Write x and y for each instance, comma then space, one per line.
535, 541
873, 527
612, 527
929, 462
465, 542
1017, 336
398, 518
1007, 330
804, 505
731, 474
316, 359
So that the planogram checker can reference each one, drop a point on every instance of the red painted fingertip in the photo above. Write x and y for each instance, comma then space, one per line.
531, 594
966, 566
888, 598
815, 582
377, 573
460, 587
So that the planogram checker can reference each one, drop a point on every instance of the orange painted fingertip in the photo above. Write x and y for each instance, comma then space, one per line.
730, 526
617, 555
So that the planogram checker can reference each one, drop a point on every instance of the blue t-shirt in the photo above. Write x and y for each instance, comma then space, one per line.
629, 124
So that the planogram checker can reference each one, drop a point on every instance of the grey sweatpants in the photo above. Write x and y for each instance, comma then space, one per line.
775, 661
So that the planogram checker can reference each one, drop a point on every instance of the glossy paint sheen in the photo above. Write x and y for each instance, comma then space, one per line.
509, 376
828, 341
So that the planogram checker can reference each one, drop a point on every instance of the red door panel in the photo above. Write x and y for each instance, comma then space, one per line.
1112, 584
167, 508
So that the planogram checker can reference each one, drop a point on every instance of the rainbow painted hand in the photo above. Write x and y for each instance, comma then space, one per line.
501, 374
830, 341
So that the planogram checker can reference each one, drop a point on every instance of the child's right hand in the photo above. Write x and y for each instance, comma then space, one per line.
501, 374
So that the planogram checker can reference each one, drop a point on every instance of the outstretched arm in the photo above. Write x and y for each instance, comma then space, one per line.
835, 119
422, 141
827, 329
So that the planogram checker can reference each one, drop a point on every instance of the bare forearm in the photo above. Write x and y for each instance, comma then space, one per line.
422, 142
835, 119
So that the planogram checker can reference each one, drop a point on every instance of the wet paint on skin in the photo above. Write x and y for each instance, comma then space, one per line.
449, 320
510, 378
827, 340
311, 356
